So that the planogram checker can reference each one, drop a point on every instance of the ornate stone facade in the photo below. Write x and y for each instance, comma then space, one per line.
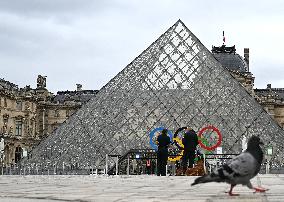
272, 99
28, 115
237, 65
18, 120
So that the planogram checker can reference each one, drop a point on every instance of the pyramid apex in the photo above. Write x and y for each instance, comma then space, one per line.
180, 21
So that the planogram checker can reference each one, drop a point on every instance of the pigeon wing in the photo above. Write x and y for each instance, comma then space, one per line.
243, 165
239, 170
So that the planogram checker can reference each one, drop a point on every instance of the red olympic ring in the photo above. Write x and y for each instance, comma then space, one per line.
219, 137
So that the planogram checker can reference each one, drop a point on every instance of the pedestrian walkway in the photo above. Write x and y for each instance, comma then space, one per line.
131, 188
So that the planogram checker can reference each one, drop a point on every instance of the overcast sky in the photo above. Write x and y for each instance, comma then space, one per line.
90, 41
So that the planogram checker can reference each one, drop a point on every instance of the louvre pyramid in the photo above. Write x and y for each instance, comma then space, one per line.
175, 82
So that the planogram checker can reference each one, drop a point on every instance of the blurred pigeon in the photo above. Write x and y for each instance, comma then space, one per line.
240, 169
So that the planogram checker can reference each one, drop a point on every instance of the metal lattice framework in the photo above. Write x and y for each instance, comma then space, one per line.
175, 82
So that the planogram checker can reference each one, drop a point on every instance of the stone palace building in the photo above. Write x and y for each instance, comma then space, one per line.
29, 115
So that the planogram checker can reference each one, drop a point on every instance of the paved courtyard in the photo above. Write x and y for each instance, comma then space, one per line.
130, 188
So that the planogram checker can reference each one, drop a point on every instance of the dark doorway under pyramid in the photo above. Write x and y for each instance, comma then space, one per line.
175, 82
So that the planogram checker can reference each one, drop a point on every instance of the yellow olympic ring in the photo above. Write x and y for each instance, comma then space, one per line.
176, 158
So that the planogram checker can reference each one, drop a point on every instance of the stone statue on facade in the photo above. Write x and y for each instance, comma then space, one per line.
27, 106
4, 129
41, 81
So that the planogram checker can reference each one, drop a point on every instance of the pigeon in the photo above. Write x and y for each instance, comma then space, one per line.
240, 169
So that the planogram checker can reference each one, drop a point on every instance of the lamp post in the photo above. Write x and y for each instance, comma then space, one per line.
244, 139
244, 143
2, 145
43, 122
268, 158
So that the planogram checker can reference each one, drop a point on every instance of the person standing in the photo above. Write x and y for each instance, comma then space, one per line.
190, 142
163, 142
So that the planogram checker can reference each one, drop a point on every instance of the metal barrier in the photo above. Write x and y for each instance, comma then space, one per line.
133, 162
212, 161
121, 164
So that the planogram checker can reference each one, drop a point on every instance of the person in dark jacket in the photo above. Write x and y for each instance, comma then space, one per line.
163, 142
190, 142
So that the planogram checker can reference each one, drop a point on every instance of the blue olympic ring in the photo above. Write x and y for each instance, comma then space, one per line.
152, 133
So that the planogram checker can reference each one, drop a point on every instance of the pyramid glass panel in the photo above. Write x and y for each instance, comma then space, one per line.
175, 82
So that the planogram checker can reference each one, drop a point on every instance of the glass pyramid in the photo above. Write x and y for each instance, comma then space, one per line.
175, 82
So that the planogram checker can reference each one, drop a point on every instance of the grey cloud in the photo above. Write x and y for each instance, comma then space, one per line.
41, 7
268, 72
90, 41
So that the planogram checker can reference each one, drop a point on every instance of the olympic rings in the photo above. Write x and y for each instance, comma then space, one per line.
203, 140
200, 133
178, 142
152, 133
181, 146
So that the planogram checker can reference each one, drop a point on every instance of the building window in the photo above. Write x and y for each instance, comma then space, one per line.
19, 127
19, 105
5, 123
5, 102
18, 154
31, 128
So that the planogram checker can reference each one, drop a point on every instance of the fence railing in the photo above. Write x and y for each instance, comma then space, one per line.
133, 162
123, 164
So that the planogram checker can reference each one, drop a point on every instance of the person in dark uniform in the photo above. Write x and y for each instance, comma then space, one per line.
190, 142
163, 142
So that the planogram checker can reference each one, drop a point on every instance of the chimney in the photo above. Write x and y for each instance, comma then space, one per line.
269, 86
246, 56
79, 87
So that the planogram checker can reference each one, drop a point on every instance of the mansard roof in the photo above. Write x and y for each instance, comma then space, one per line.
229, 59
275, 92
77, 96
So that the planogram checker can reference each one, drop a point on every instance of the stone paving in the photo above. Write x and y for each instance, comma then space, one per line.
130, 188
